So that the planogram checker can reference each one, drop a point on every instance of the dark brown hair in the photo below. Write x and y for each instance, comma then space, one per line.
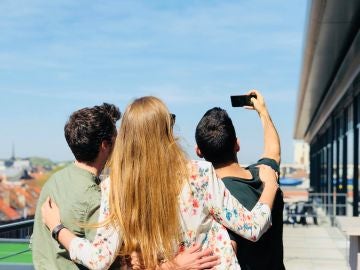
87, 128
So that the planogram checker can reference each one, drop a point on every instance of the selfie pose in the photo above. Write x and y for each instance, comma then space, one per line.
217, 142
157, 202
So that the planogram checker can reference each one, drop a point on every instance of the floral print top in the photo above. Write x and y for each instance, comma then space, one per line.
206, 208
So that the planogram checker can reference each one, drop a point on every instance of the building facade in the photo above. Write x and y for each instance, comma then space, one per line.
328, 109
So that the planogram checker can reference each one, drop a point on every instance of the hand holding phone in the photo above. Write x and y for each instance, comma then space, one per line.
242, 100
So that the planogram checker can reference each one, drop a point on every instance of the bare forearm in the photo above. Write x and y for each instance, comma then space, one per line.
271, 137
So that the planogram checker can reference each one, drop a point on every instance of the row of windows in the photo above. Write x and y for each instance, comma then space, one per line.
334, 158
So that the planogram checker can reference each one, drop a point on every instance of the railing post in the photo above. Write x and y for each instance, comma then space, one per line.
334, 207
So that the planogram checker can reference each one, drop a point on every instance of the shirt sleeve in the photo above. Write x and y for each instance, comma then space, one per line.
102, 251
269, 162
232, 214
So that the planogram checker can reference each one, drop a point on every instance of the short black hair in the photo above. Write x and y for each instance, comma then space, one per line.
87, 128
215, 136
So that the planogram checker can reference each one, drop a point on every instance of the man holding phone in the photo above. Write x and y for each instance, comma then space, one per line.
216, 142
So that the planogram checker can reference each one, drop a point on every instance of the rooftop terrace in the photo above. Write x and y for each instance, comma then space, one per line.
306, 247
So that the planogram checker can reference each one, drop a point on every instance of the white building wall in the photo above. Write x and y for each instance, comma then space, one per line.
301, 153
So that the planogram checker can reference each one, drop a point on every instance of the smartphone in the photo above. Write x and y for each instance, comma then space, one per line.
242, 100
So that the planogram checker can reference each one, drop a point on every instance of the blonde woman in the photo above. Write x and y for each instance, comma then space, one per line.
157, 199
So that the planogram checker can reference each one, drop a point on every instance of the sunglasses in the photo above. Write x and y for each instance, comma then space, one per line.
173, 118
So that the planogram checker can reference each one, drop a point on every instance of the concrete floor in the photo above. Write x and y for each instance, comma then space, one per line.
315, 247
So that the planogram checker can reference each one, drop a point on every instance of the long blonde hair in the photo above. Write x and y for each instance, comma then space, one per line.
148, 169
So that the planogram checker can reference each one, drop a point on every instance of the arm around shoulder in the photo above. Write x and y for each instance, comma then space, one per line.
232, 214
98, 254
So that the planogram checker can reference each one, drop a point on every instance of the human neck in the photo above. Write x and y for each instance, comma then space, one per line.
94, 167
232, 169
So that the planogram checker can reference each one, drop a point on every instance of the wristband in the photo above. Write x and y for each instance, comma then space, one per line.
55, 232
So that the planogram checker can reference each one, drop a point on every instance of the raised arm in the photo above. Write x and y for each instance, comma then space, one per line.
232, 214
271, 137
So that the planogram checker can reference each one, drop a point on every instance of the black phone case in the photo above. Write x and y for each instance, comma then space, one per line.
241, 100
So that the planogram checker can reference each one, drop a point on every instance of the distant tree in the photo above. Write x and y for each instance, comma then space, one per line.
43, 162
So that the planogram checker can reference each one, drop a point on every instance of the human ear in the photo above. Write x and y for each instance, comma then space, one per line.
237, 145
198, 152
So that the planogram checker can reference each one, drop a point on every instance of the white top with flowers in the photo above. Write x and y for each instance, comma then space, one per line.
206, 208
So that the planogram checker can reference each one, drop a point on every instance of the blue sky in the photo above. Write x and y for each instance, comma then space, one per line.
59, 56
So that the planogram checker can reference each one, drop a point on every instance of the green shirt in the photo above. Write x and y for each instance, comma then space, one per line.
77, 194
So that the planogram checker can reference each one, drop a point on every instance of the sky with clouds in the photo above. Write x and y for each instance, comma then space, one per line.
59, 56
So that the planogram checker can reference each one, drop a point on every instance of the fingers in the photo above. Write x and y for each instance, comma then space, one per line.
49, 203
250, 107
136, 260
196, 247
44, 209
253, 91
46, 204
53, 204
268, 175
265, 169
208, 262
259, 97
203, 253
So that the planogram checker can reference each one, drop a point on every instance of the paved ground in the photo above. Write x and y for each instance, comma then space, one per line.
315, 247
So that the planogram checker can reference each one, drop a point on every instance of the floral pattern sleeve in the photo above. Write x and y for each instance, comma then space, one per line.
229, 212
102, 251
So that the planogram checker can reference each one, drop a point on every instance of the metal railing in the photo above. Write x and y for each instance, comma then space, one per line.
17, 231
300, 210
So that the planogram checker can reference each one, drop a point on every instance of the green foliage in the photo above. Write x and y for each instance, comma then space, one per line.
43, 162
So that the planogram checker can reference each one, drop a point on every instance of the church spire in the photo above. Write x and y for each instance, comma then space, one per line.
13, 152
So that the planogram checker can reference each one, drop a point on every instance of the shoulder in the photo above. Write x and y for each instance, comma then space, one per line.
200, 166
202, 173
105, 190
58, 176
237, 181
200, 169
267, 161
105, 185
54, 178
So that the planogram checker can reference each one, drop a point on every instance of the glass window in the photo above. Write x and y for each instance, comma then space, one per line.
358, 180
350, 165
350, 117
323, 170
335, 162
340, 164
357, 100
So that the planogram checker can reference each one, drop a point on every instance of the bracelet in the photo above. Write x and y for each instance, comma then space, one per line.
55, 232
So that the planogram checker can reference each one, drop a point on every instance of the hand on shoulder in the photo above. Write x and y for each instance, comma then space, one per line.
268, 176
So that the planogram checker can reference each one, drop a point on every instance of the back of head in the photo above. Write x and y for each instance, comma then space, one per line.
87, 128
216, 138
147, 173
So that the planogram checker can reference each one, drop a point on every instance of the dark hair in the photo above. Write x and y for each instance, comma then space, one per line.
215, 136
87, 128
